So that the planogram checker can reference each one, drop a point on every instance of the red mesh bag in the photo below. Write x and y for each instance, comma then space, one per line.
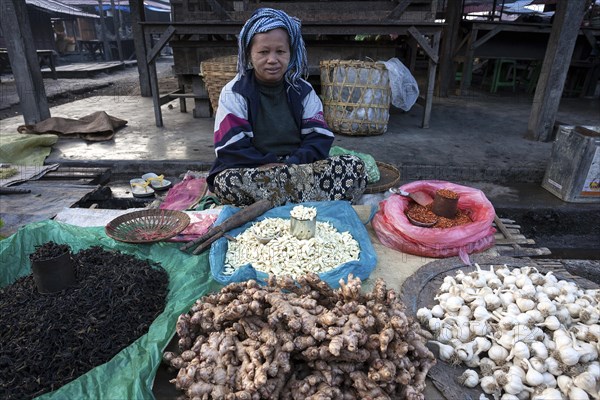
394, 230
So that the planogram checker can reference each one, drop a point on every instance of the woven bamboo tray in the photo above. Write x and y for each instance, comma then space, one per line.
390, 176
356, 96
217, 72
147, 226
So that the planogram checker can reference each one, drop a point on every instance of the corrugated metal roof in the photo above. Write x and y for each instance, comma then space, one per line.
59, 8
158, 4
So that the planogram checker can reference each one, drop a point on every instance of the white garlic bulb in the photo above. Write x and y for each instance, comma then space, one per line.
469, 378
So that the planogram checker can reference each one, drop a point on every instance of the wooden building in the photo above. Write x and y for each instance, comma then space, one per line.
43, 15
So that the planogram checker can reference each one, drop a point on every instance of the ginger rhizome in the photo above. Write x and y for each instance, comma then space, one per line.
300, 340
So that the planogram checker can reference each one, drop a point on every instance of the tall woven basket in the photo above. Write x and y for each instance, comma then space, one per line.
216, 72
356, 96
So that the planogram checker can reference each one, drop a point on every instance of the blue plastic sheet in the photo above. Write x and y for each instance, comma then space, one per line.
339, 213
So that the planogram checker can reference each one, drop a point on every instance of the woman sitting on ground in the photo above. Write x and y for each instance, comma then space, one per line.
271, 139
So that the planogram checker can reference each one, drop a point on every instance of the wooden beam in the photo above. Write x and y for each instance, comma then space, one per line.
106, 45
446, 76
465, 81
420, 38
116, 28
24, 61
218, 8
164, 39
399, 9
138, 16
487, 36
559, 52
431, 69
155, 95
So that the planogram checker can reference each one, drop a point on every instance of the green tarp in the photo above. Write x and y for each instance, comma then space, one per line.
23, 149
130, 374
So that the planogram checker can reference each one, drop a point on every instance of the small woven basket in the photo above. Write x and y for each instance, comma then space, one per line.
356, 96
147, 226
216, 72
390, 176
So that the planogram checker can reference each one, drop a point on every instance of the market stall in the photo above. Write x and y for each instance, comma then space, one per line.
312, 299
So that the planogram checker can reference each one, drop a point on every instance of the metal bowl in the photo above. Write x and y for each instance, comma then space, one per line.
303, 229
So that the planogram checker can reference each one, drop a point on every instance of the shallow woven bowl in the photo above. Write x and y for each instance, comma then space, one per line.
390, 176
147, 226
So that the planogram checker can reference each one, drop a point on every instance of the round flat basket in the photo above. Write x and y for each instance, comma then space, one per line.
390, 176
421, 288
147, 226
217, 72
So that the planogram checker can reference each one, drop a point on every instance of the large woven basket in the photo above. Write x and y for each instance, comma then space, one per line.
356, 96
216, 72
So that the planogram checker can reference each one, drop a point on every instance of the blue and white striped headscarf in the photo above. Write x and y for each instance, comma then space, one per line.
267, 19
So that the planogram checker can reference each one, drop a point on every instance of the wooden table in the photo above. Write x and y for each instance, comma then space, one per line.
45, 58
95, 48
519, 41
426, 34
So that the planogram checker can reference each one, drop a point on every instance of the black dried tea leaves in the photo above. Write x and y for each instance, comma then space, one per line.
47, 341
48, 251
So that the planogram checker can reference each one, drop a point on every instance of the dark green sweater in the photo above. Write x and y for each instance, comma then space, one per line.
275, 130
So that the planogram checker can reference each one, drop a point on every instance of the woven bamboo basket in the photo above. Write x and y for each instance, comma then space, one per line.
216, 72
356, 96
147, 226
389, 177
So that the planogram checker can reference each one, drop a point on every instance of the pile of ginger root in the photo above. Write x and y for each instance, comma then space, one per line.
300, 340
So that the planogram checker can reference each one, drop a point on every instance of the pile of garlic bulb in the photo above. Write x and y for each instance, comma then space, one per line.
521, 333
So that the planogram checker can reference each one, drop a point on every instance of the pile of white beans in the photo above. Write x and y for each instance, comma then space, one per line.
287, 255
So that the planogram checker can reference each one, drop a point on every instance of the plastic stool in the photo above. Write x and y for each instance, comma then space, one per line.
510, 73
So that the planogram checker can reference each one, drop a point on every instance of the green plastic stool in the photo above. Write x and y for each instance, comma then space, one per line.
510, 72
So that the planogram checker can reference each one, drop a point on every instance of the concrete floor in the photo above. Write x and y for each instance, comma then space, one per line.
476, 137
471, 138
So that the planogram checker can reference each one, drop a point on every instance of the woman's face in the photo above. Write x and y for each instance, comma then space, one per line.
270, 55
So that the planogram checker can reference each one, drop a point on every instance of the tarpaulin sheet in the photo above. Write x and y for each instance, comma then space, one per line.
23, 149
339, 213
96, 126
130, 374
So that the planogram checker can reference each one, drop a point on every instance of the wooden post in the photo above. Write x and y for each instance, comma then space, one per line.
107, 52
465, 80
433, 62
447, 74
24, 61
567, 21
137, 16
116, 24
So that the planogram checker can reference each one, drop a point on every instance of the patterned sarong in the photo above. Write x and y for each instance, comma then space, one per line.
335, 178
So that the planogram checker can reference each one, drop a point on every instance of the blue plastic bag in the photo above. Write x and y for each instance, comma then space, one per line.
339, 213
